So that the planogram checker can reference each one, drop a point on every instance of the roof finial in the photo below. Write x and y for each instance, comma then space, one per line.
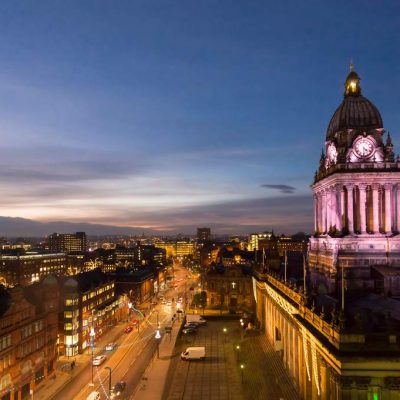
351, 65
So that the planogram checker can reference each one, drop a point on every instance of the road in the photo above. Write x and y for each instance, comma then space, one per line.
134, 351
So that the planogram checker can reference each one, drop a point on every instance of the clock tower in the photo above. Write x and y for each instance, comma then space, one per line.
356, 199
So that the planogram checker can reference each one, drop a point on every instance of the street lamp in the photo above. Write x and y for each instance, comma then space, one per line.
130, 308
224, 331
158, 337
92, 334
242, 369
109, 380
241, 331
238, 351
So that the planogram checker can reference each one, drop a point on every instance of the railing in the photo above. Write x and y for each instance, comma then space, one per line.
357, 166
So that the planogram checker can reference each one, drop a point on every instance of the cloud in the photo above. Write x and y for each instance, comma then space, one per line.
283, 214
282, 188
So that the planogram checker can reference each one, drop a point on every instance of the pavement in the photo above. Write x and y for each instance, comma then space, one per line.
220, 376
154, 378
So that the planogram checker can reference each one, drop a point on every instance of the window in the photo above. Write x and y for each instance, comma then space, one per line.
68, 326
38, 325
5, 362
26, 331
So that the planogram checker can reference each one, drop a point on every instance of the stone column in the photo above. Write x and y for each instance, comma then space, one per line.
398, 208
334, 214
375, 207
342, 215
388, 208
328, 209
323, 198
363, 199
350, 209
325, 392
315, 213
320, 210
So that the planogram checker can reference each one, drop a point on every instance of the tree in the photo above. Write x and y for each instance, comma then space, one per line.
200, 300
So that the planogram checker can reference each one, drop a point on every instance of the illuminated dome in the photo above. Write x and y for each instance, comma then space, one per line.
356, 111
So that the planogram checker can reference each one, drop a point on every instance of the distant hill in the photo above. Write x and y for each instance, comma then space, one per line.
21, 227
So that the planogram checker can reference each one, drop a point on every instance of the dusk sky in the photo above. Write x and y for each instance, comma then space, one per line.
176, 114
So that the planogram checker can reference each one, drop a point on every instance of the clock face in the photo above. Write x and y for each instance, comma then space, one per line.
364, 148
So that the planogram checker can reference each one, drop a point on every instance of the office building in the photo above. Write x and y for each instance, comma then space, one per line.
67, 242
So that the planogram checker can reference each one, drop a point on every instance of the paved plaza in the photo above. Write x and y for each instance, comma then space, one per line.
220, 375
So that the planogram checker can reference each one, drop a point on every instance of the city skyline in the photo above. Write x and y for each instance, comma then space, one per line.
170, 118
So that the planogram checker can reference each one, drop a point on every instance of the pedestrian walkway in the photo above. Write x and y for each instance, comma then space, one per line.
264, 374
155, 376
220, 375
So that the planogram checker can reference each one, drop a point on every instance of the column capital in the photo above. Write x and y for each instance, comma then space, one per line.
388, 186
376, 186
349, 185
362, 186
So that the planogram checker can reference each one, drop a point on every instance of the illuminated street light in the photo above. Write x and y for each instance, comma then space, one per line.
158, 338
224, 331
92, 335
238, 350
242, 369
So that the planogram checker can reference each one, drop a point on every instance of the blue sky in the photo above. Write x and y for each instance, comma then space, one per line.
171, 115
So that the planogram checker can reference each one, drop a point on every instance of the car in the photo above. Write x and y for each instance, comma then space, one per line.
94, 396
179, 311
111, 346
169, 303
118, 388
99, 360
191, 325
128, 329
189, 330
163, 301
154, 303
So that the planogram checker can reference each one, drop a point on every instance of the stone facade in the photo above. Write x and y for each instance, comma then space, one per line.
28, 339
353, 261
229, 288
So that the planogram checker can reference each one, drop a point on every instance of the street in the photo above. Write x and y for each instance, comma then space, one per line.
134, 350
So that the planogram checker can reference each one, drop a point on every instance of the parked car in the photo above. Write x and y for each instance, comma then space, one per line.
99, 360
190, 330
111, 346
191, 325
128, 329
118, 388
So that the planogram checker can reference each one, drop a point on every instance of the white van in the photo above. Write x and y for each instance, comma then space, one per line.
93, 396
194, 353
198, 319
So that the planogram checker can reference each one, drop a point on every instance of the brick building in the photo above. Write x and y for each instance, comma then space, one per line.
28, 338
